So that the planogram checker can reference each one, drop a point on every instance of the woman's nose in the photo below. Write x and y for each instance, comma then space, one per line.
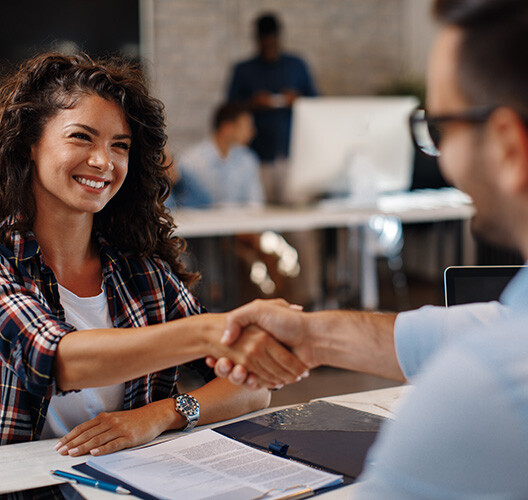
101, 159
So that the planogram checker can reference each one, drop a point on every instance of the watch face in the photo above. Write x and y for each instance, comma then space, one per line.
187, 404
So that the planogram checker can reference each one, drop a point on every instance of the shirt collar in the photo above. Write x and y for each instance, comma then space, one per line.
109, 256
26, 247
217, 156
516, 293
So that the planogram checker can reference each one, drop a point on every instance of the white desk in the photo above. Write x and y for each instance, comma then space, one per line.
418, 206
27, 465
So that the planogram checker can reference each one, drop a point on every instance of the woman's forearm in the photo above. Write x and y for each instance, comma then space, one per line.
99, 357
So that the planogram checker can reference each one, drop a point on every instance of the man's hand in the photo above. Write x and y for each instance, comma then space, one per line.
278, 318
290, 96
110, 432
262, 100
272, 364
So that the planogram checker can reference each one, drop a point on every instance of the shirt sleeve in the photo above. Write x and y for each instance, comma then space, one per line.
29, 332
457, 436
309, 90
419, 334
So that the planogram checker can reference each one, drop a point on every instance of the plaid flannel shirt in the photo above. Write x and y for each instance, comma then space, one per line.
140, 291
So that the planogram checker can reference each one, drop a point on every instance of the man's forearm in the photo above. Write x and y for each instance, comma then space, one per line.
354, 340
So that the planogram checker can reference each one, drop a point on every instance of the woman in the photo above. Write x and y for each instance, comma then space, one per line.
93, 295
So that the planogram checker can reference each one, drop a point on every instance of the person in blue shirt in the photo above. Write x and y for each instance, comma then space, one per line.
462, 433
269, 83
221, 170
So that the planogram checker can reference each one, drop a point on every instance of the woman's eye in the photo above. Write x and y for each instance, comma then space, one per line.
122, 145
80, 135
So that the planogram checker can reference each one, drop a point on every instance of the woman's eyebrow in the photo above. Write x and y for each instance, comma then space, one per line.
95, 132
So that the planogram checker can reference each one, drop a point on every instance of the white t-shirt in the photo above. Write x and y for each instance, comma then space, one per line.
69, 410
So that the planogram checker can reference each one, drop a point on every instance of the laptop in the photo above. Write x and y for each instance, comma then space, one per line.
467, 284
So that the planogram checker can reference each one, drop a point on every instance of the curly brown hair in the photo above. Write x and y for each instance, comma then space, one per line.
135, 220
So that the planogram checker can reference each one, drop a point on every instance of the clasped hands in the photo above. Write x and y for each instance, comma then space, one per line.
267, 345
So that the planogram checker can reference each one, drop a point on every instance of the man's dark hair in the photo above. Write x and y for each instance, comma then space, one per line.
228, 112
492, 63
135, 220
267, 24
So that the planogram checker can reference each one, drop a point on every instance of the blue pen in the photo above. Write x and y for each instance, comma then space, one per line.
94, 483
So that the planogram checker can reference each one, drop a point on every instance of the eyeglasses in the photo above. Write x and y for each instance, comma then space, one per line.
426, 131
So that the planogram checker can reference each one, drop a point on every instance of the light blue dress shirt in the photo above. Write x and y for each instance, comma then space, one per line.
232, 180
419, 334
462, 433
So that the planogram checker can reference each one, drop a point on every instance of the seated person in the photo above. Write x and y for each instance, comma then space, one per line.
95, 310
221, 169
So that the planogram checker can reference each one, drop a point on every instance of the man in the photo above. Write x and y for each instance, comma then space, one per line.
462, 433
221, 169
269, 83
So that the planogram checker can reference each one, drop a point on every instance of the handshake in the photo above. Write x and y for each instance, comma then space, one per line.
265, 344
269, 343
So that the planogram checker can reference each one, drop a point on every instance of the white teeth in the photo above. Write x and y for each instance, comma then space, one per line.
90, 183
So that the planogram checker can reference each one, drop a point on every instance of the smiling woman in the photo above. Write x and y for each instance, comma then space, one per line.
93, 292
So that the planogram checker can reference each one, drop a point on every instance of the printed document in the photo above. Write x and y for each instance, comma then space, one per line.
205, 465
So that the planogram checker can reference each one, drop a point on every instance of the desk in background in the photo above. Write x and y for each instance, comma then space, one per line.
410, 207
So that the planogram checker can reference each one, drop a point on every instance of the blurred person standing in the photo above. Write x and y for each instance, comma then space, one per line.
269, 83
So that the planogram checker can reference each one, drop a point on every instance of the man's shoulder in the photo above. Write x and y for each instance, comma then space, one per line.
197, 152
245, 154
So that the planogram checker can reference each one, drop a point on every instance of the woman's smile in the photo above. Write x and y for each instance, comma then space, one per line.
91, 182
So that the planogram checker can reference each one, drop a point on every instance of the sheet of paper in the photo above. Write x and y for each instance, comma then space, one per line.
384, 402
27, 465
205, 465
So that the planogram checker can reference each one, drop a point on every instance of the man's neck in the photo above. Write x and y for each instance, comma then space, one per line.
223, 144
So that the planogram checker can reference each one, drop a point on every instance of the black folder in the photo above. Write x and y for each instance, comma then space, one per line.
320, 434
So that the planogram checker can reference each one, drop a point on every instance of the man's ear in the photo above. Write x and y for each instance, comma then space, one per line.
509, 136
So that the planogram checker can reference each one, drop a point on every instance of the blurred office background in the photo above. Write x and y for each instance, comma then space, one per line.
353, 47
187, 49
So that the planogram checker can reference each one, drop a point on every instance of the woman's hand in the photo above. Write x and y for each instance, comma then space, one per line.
109, 432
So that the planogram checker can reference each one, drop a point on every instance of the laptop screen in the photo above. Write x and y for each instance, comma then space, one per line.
466, 284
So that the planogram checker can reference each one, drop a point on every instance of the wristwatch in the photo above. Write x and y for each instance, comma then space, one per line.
189, 408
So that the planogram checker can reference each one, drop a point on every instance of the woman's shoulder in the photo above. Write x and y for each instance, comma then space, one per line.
133, 266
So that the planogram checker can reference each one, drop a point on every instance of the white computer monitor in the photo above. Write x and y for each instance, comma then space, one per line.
351, 146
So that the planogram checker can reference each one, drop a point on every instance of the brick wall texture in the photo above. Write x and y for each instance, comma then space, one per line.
353, 47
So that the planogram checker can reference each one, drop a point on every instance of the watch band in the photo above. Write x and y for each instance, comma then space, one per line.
187, 406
